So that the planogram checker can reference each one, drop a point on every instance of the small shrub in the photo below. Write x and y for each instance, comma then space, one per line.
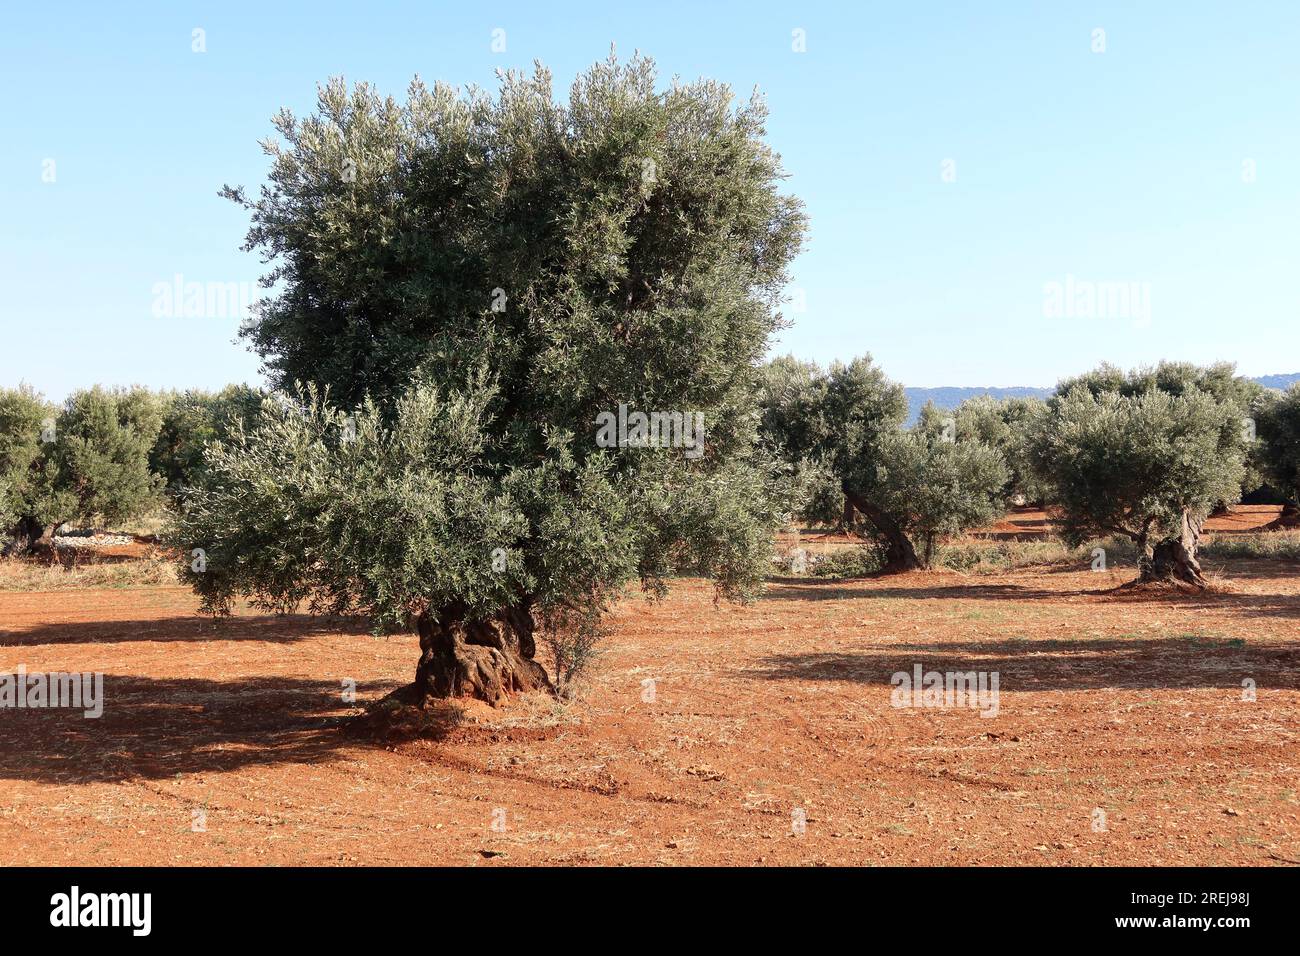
848, 563
572, 637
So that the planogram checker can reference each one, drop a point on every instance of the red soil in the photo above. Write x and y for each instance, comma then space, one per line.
1128, 704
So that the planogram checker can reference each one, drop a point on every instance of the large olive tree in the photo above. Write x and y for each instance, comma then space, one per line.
469, 286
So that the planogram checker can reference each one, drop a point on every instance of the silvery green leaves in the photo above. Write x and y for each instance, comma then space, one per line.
410, 514
349, 513
628, 244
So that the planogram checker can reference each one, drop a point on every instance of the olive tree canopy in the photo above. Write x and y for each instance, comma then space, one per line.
1146, 455
86, 459
470, 289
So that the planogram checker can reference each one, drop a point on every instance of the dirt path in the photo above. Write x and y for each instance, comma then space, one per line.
754, 716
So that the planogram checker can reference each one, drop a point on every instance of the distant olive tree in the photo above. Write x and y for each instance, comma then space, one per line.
469, 283
1145, 455
1278, 453
791, 393
1219, 379
102, 452
30, 498
1009, 425
87, 459
933, 489
191, 420
912, 488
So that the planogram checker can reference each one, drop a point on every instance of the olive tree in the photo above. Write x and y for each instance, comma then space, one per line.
1173, 378
933, 488
1146, 456
1220, 379
30, 498
486, 299
88, 459
191, 419
791, 393
1009, 425
102, 449
912, 488
1278, 453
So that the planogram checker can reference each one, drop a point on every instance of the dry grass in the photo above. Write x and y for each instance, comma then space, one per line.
25, 574
1271, 545
971, 555
979, 555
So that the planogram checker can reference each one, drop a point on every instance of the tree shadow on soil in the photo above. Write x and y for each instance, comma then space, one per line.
1244, 603
155, 729
1047, 665
271, 628
805, 589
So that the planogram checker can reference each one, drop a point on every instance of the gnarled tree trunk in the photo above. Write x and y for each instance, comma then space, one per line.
899, 553
1173, 559
24, 536
485, 659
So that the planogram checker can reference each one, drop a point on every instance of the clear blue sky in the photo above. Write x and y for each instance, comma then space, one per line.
1122, 166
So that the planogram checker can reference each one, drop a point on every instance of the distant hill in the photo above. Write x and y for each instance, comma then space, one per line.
952, 396
1280, 382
